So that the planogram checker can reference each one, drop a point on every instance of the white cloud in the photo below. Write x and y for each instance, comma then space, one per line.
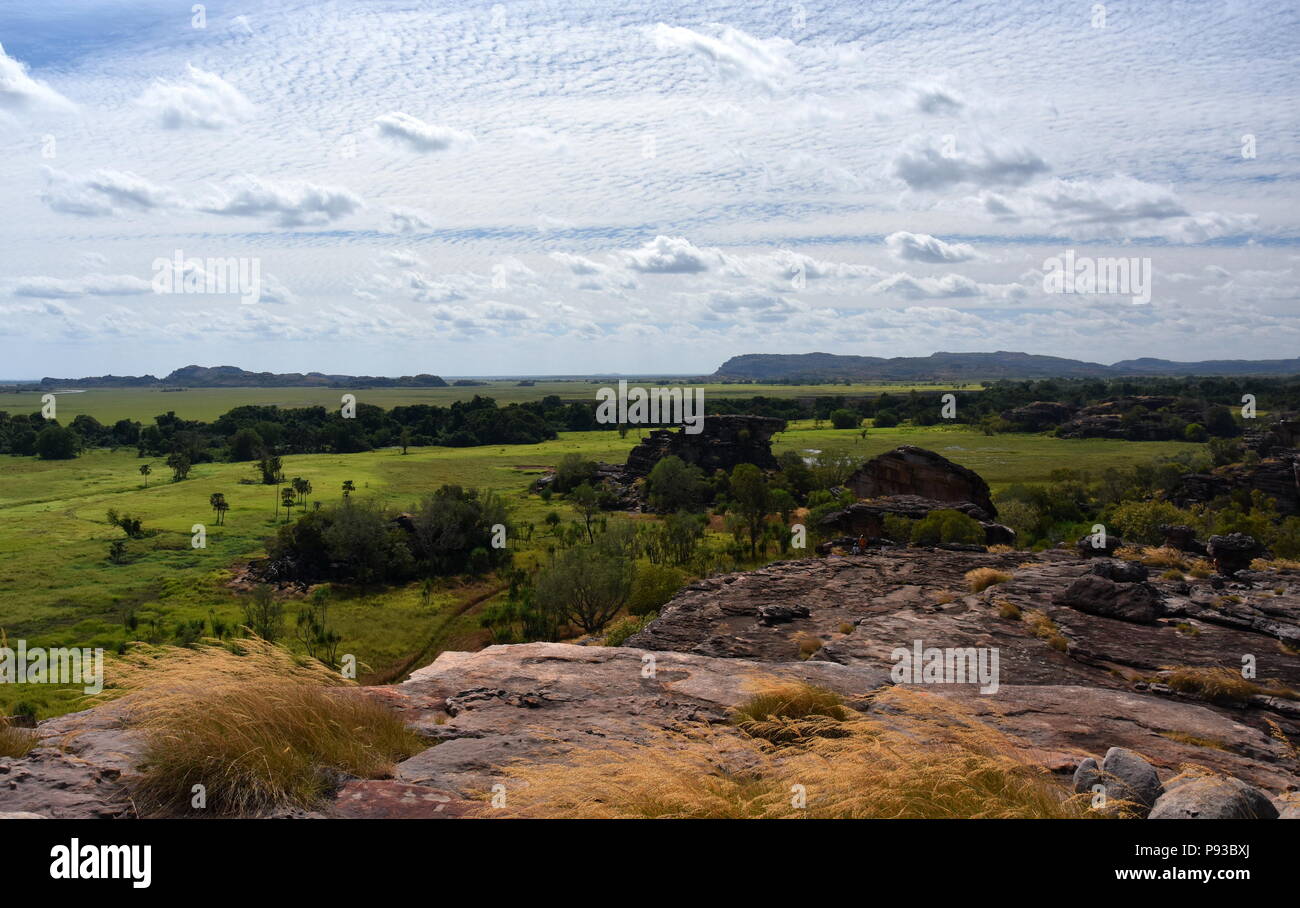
921, 247
88, 285
202, 99
949, 286
734, 54
408, 220
291, 204
102, 193
417, 135
670, 255
928, 168
20, 93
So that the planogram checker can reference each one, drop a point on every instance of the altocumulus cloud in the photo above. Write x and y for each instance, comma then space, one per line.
202, 99
417, 135
921, 247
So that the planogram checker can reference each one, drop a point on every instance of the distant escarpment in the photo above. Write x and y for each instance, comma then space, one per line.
823, 367
234, 377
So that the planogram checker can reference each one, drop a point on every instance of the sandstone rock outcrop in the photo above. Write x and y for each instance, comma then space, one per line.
909, 470
723, 442
718, 638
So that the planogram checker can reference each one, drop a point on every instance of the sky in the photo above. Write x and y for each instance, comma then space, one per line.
572, 188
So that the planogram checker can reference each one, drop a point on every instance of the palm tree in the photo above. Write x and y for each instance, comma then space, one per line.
287, 495
145, 470
306, 491
348, 487
217, 501
301, 487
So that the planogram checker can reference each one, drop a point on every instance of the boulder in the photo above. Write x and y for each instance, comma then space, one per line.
1182, 537
1213, 798
1124, 775
1087, 546
1134, 778
1136, 602
1120, 571
1233, 552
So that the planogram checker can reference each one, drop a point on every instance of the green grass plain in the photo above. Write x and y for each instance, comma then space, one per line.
111, 404
58, 587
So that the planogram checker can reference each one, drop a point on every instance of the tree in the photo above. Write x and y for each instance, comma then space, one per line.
57, 443
145, 470
287, 497
586, 585
117, 551
348, 487
269, 466
263, 615
218, 503
301, 488
246, 444
319, 639
131, 526
587, 501
845, 419
673, 485
404, 438
572, 471
753, 501
180, 466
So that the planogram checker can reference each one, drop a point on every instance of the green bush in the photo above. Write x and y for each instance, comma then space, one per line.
654, 585
1139, 521
947, 526
845, 419
619, 631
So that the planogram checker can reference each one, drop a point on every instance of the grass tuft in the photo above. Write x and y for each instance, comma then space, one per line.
15, 742
257, 728
981, 579
1222, 685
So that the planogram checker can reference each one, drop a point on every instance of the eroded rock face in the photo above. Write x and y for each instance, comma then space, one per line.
722, 443
867, 518
909, 470
1278, 477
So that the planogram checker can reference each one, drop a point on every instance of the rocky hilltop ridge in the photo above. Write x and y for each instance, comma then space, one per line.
1078, 676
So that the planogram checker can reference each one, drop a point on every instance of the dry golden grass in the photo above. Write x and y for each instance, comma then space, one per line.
1008, 610
846, 627
807, 643
15, 742
1222, 685
1045, 628
782, 713
258, 729
1275, 564
1001, 549
943, 597
981, 579
921, 757
1172, 574
1195, 741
